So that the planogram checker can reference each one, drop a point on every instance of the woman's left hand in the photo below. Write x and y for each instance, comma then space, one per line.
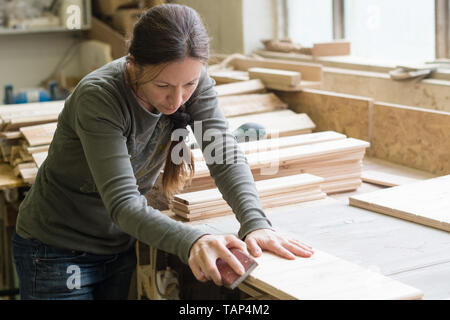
266, 239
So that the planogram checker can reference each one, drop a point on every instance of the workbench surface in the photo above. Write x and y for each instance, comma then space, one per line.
414, 254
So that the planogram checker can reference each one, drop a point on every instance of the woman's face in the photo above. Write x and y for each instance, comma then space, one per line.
172, 87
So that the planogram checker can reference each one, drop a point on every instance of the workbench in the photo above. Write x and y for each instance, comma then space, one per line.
9, 203
414, 254
411, 253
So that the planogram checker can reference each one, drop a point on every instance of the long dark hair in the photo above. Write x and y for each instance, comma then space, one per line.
164, 34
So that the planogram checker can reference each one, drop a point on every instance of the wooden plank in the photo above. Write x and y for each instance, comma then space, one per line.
418, 138
300, 154
277, 123
324, 277
333, 48
283, 142
42, 148
279, 78
385, 179
39, 158
309, 71
11, 135
343, 113
425, 202
229, 76
244, 104
39, 134
262, 186
242, 87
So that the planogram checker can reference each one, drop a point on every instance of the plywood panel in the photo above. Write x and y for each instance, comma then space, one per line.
414, 137
343, 113
425, 202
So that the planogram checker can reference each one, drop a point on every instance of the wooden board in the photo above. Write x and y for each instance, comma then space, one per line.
333, 48
39, 134
418, 138
283, 142
385, 179
229, 76
301, 154
324, 277
262, 186
241, 87
39, 157
279, 78
244, 104
13, 117
425, 202
277, 123
343, 113
309, 71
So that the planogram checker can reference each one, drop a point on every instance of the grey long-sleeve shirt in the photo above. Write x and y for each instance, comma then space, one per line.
106, 153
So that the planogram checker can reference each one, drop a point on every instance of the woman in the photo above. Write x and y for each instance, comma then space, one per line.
77, 226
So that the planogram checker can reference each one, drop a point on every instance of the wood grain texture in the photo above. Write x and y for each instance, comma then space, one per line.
39, 134
333, 48
241, 87
385, 179
244, 104
324, 277
425, 202
277, 123
343, 113
309, 71
415, 137
39, 158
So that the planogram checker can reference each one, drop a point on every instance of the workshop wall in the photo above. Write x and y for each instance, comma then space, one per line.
27, 59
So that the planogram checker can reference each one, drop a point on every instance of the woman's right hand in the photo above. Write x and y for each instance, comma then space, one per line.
207, 249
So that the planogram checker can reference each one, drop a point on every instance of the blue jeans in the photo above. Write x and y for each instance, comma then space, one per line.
47, 272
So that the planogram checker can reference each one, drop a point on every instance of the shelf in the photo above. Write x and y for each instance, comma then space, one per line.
6, 31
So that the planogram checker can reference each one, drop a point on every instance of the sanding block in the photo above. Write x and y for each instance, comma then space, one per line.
230, 278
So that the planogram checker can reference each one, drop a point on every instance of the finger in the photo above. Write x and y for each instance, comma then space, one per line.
298, 250
197, 272
234, 263
212, 273
301, 245
253, 247
234, 242
276, 248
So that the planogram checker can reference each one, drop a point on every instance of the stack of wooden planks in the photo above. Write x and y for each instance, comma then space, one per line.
338, 161
272, 192
27, 129
425, 202
240, 74
276, 123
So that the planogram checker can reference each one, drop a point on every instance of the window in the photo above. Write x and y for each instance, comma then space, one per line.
396, 30
310, 21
